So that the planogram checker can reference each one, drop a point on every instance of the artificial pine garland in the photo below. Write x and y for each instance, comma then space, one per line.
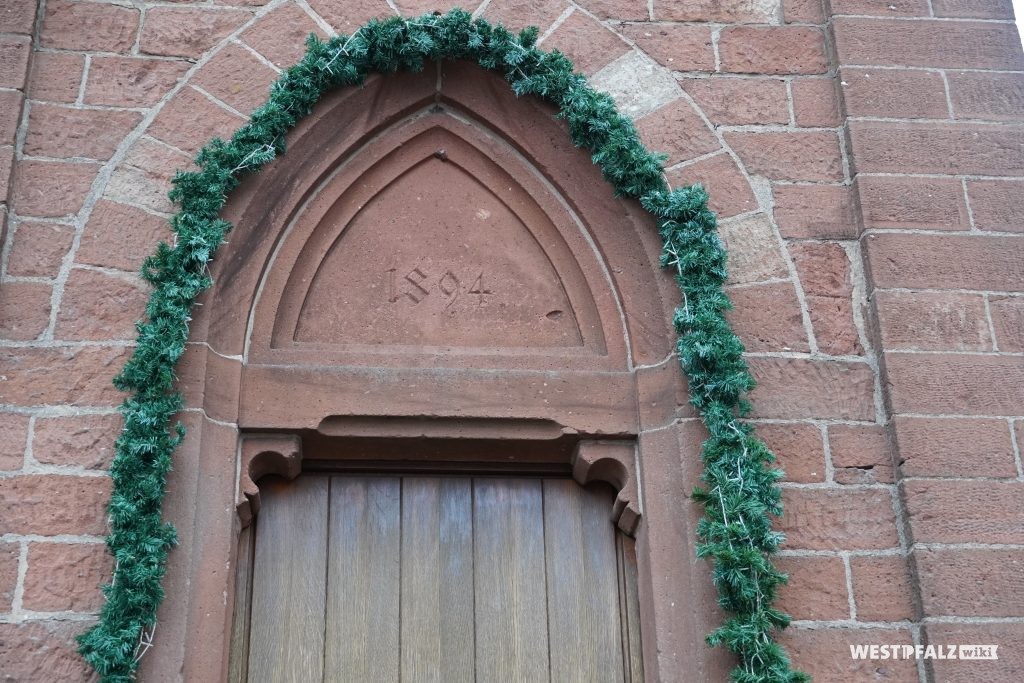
740, 493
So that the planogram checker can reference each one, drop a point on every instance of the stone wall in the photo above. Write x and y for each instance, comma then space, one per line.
865, 157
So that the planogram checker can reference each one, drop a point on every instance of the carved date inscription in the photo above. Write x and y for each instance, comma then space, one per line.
422, 282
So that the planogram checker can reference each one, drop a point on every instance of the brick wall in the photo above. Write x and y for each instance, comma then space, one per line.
866, 158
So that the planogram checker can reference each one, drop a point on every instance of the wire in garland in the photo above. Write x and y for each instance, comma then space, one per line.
740, 494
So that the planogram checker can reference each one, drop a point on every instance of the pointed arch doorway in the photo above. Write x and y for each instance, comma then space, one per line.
433, 281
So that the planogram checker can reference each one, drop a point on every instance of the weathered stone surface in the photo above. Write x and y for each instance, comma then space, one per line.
131, 81
24, 310
815, 211
1008, 636
729, 192
798, 448
60, 375
43, 651
637, 83
80, 440
40, 504
1008, 322
187, 32
13, 438
14, 51
986, 96
932, 321
956, 384
144, 176
724, 11
10, 115
997, 204
972, 583
882, 588
915, 261
677, 130
860, 454
586, 42
772, 50
812, 155
815, 103
64, 132
518, 14
675, 46
66, 576
280, 35
835, 519
824, 653
237, 78
18, 16
9, 554
56, 76
52, 188
894, 93
949, 511
98, 306
768, 318
894, 202
754, 252
89, 26
816, 589
120, 236
191, 120
792, 388
954, 447
740, 101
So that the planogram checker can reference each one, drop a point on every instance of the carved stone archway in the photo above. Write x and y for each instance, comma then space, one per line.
567, 370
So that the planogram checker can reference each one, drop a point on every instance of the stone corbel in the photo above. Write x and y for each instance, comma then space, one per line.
612, 462
263, 454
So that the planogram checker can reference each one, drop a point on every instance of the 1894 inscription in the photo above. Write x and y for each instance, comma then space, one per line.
421, 282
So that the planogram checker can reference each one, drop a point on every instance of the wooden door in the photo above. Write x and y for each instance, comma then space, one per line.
436, 579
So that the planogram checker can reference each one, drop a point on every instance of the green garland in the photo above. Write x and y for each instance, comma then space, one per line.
740, 493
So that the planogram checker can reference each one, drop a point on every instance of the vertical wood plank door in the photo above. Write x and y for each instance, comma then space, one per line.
437, 580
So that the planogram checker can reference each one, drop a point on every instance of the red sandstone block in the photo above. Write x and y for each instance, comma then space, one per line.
120, 236
816, 589
971, 583
815, 211
24, 310
52, 504
838, 519
39, 248
721, 11
955, 148
754, 252
767, 317
954, 447
6, 164
13, 439
1008, 636
824, 653
14, 51
895, 202
43, 651
9, 554
191, 120
950, 511
10, 115
740, 101
17, 16
997, 204
61, 375
772, 50
932, 321
347, 17
894, 93
677, 130
882, 588
803, 11
676, 46
815, 103
924, 262
936, 383
414, 8
237, 78
100, 307
52, 188
798, 449
66, 576
57, 76
64, 132
861, 454
824, 268
80, 440
978, 9
993, 97
586, 42
144, 176
1008, 321
881, 8
70, 25
187, 32
617, 9
935, 43
131, 81
834, 327
729, 191
791, 156
790, 388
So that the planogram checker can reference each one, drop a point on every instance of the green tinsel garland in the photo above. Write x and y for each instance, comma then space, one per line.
740, 494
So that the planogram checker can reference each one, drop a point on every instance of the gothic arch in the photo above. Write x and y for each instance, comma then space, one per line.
607, 402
